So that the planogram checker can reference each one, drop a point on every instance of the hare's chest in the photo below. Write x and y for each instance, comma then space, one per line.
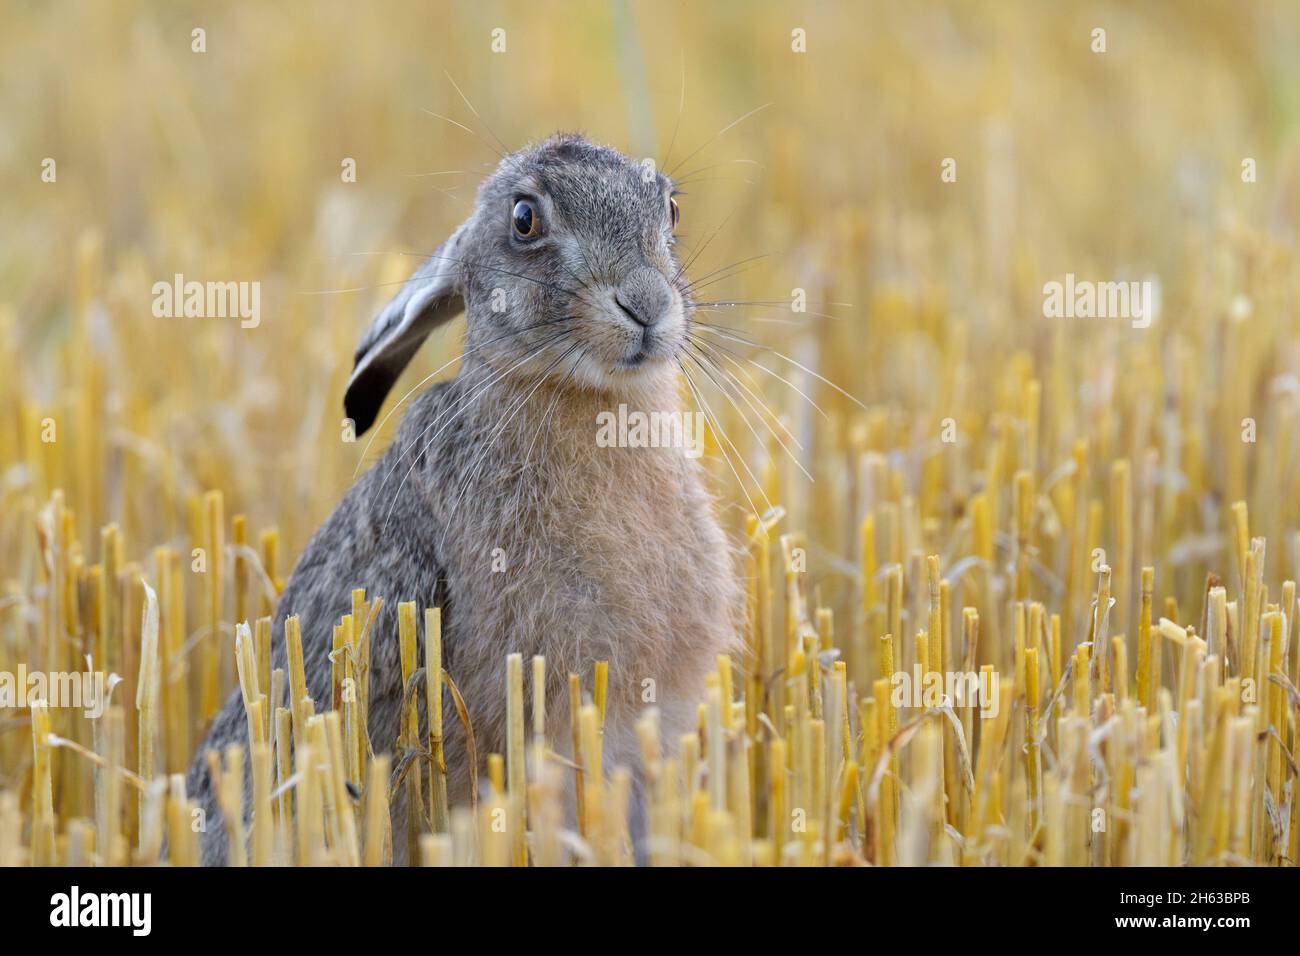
608, 560
623, 571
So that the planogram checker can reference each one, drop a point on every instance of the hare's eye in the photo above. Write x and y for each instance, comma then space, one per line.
675, 212
525, 220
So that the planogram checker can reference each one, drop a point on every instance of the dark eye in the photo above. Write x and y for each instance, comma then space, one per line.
675, 212
524, 219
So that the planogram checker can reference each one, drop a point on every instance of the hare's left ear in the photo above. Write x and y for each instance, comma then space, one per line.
429, 298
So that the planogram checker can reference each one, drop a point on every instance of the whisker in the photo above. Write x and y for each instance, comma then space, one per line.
717, 424
695, 254
719, 350
737, 335
482, 265
821, 378
486, 447
715, 179
716, 345
764, 319
745, 418
591, 273
725, 457
772, 303
519, 404
801, 392
739, 262
703, 169
578, 279
471, 132
464, 352
777, 375
681, 108
458, 408
465, 262
720, 133
461, 406
555, 401
505, 149
735, 267
352, 289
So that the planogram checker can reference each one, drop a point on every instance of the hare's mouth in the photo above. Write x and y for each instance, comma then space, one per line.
625, 346
624, 343
651, 349
637, 359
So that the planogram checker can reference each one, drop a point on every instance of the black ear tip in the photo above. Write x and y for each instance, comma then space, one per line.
361, 404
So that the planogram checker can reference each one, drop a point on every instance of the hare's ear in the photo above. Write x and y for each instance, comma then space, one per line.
429, 298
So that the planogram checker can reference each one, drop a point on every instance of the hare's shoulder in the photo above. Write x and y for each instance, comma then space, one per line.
432, 427
382, 525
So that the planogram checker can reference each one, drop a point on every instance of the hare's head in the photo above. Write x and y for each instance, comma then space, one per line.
565, 268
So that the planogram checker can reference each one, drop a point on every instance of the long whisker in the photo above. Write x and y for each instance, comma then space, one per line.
785, 381
766, 413
745, 418
773, 373
352, 289
460, 407
553, 287
717, 346
516, 406
578, 279
464, 404
725, 457
736, 335
717, 425
414, 388
695, 282
695, 254
555, 401
483, 265
734, 269
586, 262
481, 459
764, 319
773, 303
681, 108
504, 148
685, 177
719, 133
820, 378
448, 119
715, 179
465, 262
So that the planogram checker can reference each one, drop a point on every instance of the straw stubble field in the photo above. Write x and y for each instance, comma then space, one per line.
1093, 521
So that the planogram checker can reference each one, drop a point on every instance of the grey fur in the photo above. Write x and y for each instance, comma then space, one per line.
610, 553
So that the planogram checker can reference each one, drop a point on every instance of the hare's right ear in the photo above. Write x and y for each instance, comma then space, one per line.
429, 298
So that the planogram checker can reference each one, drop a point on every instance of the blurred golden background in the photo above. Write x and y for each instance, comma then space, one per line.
225, 165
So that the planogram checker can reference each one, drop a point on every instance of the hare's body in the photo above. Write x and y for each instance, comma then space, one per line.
605, 553
499, 501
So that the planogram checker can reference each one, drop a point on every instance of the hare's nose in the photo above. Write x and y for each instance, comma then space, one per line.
633, 314
644, 296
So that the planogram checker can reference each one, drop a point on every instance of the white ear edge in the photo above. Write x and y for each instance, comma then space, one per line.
393, 332
429, 298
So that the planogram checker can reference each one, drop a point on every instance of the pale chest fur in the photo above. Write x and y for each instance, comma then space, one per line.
584, 553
